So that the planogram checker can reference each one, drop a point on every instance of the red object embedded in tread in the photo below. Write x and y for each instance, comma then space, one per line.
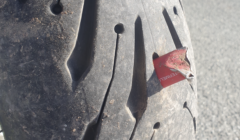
167, 67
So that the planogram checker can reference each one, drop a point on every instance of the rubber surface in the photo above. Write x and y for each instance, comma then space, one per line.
87, 73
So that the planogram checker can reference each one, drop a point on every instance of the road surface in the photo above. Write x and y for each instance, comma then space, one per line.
215, 32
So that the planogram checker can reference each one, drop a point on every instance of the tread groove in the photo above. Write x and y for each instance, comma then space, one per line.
172, 30
137, 100
80, 59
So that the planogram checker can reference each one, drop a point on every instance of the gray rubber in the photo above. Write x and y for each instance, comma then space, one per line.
87, 72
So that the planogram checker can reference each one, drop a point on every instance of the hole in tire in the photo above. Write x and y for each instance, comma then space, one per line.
155, 55
57, 8
119, 28
175, 10
185, 105
156, 125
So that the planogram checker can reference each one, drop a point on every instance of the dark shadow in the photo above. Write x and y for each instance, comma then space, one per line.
137, 100
172, 30
92, 131
155, 55
154, 85
138, 96
80, 59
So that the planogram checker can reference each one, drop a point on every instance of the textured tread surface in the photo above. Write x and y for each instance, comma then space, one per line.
49, 92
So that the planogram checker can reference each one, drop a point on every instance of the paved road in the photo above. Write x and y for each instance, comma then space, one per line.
215, 32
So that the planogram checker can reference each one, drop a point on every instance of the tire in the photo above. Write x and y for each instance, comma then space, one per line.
84, 70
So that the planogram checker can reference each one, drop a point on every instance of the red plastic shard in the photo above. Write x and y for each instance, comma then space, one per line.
172, 67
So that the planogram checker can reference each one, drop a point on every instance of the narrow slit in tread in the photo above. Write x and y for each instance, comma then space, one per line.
80, 59
191, 87
152, 135
105, 98
181, 4
185, 106
194, 119
137, 100
194, 124
94, 128
172, 30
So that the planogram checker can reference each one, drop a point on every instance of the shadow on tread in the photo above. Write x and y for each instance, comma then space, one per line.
80, 59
